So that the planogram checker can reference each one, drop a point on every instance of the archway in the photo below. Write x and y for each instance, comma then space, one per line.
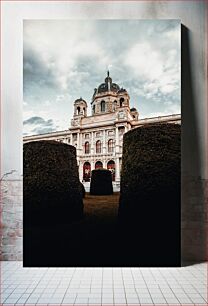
86, 171
112, 168
98, 165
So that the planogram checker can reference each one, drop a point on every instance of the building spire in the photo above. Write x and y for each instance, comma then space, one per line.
108, 73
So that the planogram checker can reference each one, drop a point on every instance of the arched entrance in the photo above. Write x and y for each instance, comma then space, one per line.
98, 165
86, 171
112, 168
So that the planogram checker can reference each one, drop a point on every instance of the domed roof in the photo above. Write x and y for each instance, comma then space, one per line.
122, 90
108, 85
133, 109
79, 100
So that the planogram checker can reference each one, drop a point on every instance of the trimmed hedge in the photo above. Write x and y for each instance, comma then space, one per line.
151, 170
82, 190
101, 182
52, 192
150, 199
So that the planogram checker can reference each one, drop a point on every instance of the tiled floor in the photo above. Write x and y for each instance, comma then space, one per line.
106, 286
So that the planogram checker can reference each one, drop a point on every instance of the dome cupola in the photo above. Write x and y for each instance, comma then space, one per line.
108, 85
80, 107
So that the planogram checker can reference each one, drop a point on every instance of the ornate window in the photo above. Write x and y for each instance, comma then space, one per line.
102, 106
87, 147
78, 110
98, 146
87, 136
110, 145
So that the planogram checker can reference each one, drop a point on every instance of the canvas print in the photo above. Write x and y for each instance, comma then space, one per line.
102, 143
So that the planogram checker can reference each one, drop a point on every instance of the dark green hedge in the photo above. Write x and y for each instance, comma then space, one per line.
82, 190
149, 205
52, 192
151, 170
101, 182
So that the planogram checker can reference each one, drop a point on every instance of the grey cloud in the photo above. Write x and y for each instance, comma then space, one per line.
43, 130
38, 120
35, 72
34, 120
37, 125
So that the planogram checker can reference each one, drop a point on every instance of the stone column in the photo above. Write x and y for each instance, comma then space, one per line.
104, 164
78, 145
92, 144
104, 143
80, 171
117, 141
117, 169
92, 162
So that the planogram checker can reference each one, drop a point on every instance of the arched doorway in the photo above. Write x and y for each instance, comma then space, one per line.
86, 171
112, 168
98, 165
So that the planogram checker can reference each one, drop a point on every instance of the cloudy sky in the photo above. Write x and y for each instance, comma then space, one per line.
67, 59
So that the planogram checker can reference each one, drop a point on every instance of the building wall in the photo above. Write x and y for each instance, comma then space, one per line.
84, 133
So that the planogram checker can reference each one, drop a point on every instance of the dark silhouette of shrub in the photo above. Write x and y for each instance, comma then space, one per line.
82, 190
101, 182
52, 192
149, 206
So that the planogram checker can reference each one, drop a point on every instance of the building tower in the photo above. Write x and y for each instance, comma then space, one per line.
80, 111
105, 97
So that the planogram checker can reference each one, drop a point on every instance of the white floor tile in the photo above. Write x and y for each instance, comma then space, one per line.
119, 286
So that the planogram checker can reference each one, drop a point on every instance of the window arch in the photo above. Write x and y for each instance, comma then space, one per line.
102, 106
110, 145
86, 171
78, 110
98, 165
87, 147
93, 109
121, 102
98, 146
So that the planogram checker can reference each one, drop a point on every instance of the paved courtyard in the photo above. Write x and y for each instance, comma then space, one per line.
103, 286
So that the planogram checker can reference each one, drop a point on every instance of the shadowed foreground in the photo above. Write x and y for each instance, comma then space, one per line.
96, 241
92, 241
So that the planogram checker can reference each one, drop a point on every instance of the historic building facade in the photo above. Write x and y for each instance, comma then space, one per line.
98, 138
